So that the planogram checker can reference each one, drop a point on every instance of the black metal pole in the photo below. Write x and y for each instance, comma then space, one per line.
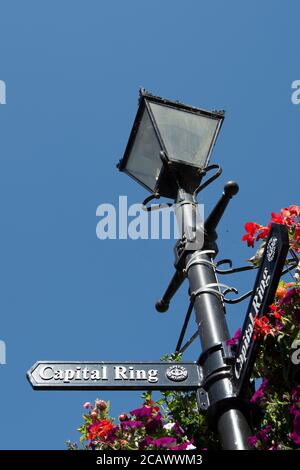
217, 396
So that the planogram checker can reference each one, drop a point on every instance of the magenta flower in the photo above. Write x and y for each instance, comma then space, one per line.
154, 423
182, 446
252, 440
147, 441
297, 317
178, 429
131, 424
143, 412
165, 442
278, 324
295, 435
260, 392
263, 434
296, 394
287, 299
275, 447
294, 408
235, 339
112, 434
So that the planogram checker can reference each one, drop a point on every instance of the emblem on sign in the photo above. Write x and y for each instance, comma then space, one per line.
271, 249
177, 373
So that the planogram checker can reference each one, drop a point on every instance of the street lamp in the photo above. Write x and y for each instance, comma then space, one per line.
168, 153
168, 133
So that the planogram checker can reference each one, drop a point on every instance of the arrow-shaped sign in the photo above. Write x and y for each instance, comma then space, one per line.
59, 375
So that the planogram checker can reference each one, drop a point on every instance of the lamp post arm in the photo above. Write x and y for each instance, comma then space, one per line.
162, 305
230, 189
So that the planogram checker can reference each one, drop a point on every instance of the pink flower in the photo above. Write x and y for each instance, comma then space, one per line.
87, 405
235, 339
295, 435
131, 424
287, 299
123, 417
252, 440
143, 412
100, 404
164, 442
260, 393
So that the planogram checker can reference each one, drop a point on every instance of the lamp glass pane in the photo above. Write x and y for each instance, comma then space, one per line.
187, 136
144, 162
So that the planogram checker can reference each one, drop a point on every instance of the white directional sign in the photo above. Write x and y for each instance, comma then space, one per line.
59, 375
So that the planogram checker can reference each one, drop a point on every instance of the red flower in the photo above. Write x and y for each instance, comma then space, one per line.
249, 239
264, 232
294, 211
285, 212
262, 326
99, 430
287, 216
277, 218
255, 230
251, 229
275, 311
290, 212
297, 233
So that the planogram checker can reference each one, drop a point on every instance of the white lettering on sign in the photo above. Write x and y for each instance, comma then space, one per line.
248, 332
130, 373
295, 357
69, 375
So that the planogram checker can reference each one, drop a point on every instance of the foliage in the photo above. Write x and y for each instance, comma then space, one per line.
278, 396
144, 428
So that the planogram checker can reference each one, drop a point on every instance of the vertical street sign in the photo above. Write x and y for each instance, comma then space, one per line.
265, 286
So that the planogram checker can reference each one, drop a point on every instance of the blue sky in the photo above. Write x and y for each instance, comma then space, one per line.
72, 71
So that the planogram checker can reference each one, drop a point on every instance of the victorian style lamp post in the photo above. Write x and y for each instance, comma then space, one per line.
168, 153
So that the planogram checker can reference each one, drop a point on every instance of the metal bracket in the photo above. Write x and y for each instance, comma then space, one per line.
292, 263
208, 289
215, 364
238, 299
202, 399
196, 259
157, 206
232, 270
